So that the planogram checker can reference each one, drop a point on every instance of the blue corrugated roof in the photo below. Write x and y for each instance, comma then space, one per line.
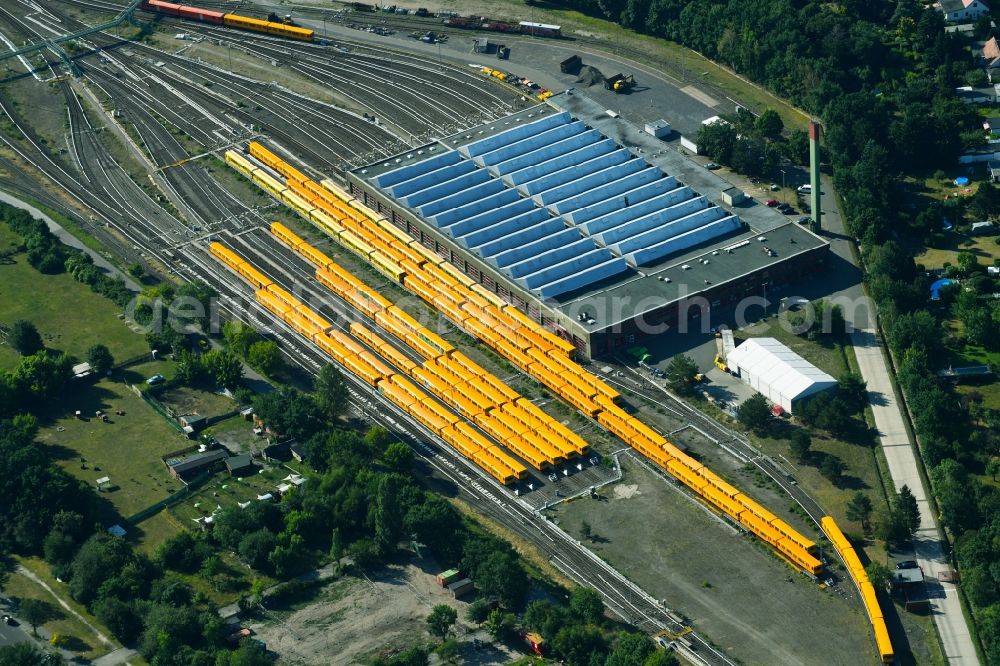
556, 206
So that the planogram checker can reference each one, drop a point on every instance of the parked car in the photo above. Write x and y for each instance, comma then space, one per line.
712, 166
786, 208
774, 188
805, 189
771, 203
805, 219
907, 564
155, 379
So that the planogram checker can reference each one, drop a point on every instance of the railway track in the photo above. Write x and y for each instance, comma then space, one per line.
118, 201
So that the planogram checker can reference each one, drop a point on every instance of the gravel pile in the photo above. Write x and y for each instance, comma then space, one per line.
590, 75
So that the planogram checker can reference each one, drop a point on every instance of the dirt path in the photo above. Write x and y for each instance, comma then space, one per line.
31, 574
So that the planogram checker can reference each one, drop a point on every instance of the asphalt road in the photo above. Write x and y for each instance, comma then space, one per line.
10, 635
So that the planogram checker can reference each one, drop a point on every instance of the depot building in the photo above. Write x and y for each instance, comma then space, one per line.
596, 229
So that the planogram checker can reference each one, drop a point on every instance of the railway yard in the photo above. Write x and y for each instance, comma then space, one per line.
223, 157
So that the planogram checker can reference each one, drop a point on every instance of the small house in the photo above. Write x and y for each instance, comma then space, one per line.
461, 588
448, 577
241, 465
297, 451
193, 465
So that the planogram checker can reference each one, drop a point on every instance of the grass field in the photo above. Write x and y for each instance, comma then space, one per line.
69, 316
984, 247
225, 491
128, 449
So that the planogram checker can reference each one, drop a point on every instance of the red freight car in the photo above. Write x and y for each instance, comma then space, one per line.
184, 11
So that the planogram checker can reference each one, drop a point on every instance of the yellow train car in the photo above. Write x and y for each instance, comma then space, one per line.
240, 163
359, 367
284, 295
583, 403
435, 423
886, 653
353, 242
269, 183
396, 394
270, 159
331, 347
313, 317
269, 27
504, 474
386, 266
269, 301
327, 223
461, 442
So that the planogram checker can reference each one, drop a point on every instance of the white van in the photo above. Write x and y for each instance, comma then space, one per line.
805, 189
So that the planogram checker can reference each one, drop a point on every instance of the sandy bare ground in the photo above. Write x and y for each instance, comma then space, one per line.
352, 619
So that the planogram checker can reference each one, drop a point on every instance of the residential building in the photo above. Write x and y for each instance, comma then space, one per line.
962, 10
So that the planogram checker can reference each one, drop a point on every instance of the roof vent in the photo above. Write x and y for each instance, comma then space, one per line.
761, 239
386, 164
398, 160
666, 279
364, 171
704, 262
715, 253
685, 267
420, 152
409, 156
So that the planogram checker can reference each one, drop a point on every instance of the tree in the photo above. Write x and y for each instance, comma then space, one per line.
26, 654
440, 620
398, 457
680, 374
265, 356
100, 359
906, 504
118, 616
890, 527
586, 605
631, 650
993, 467
289, 412
586, 531
832, 468
35, 612
769, 124
755, 412
255, 548
478, 611
859, 508
239, 337
500, 625
662, 658
500, 575
879, 575
800, 443
24, 338
330, 392
853, 389
225, 367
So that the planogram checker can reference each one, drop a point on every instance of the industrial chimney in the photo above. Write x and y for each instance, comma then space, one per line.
817, 211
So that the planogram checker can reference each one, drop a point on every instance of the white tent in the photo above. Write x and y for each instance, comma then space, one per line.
774, 370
